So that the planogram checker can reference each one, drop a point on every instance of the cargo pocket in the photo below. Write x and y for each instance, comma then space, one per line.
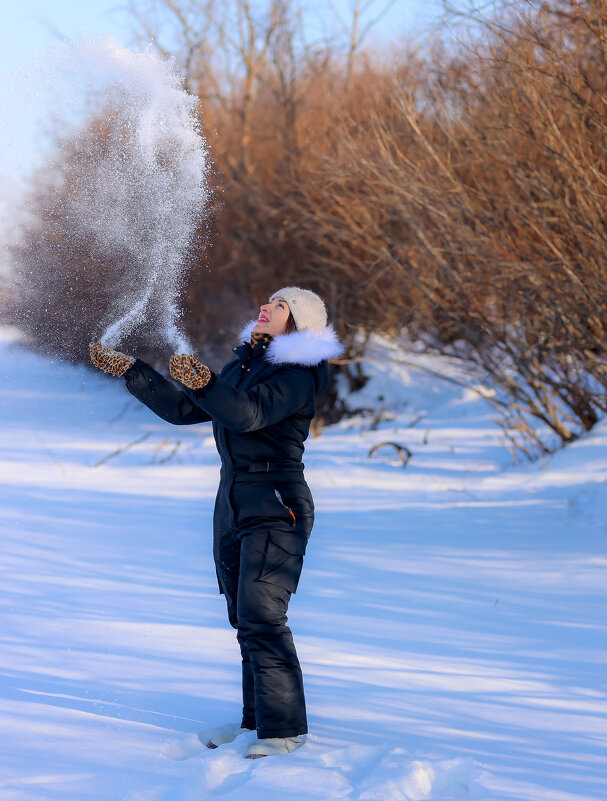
283, 559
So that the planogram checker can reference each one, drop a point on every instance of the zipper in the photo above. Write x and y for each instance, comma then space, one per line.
225, 437
279, 496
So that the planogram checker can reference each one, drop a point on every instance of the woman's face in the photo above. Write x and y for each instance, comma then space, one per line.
273, 317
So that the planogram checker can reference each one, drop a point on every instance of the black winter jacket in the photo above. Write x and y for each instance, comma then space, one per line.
261, 406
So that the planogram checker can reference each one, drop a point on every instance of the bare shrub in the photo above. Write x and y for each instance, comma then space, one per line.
473, 204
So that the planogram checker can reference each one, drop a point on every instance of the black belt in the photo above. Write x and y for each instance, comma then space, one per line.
269, 467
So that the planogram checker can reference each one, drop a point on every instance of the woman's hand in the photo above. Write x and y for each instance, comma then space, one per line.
189, 371
110, 361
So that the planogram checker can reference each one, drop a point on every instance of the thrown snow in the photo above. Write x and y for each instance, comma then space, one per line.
139, 189
450, 619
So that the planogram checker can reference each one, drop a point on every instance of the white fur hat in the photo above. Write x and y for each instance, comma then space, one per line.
307, 308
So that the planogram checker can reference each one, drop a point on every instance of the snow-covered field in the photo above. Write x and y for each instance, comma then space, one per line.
451, 618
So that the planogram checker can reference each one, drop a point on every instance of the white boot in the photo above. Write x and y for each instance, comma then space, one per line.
220, 735
274, 745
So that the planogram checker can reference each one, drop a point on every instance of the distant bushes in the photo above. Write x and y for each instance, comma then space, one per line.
457, 191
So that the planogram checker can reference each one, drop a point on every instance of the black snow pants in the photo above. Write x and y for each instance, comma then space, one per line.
259, 563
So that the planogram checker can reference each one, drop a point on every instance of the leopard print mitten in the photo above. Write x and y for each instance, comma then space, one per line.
189, 371
110, 361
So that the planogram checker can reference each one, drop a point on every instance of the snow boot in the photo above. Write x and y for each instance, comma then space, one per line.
220, 735
274, 745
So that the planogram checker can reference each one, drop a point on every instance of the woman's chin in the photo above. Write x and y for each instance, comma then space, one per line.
260, 328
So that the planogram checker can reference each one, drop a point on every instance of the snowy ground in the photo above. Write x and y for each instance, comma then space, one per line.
451, 617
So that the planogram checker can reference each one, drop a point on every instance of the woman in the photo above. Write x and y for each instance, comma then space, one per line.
261, 406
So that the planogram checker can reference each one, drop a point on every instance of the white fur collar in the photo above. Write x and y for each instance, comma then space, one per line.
307, 348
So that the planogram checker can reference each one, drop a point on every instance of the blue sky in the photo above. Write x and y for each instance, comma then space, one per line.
29, 25
32, 24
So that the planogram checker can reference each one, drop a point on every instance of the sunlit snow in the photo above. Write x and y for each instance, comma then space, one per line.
451, 617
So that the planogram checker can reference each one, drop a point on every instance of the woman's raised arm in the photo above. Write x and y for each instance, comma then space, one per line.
287, 392
162, 396
149, 387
